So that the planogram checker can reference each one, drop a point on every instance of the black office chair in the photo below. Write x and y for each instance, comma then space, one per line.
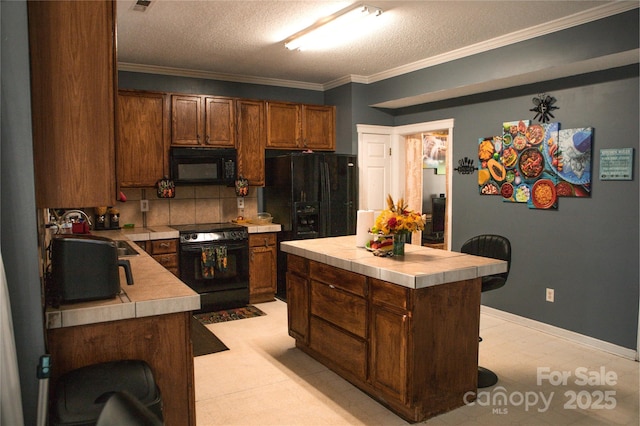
496, 247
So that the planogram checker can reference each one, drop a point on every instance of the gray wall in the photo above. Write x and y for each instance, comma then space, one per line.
18, 229
587, 250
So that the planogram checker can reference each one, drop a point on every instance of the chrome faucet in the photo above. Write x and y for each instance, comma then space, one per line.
68, 213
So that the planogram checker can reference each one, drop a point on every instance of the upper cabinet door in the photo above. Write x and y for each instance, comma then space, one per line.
318, 127
220, 122
251, 141
186, 120
73, 95
142, 146
284, 125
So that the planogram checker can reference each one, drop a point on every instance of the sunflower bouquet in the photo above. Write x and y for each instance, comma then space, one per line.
398, 219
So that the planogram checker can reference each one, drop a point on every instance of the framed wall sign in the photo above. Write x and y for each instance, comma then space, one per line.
616, 164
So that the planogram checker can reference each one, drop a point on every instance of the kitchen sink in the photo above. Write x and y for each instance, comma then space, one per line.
125, 248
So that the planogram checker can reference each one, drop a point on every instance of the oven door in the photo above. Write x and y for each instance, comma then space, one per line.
219, 287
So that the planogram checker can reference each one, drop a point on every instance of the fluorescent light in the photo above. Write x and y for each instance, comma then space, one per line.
327, 31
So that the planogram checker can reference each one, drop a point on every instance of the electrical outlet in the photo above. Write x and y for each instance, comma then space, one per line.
550, 295
144, 205
240, 203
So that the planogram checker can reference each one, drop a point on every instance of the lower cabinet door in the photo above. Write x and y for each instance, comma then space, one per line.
298, 306
348, 352
389, 362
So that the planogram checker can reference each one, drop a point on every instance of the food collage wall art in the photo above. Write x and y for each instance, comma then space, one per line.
536, 163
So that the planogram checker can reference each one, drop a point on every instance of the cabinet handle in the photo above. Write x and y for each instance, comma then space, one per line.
206, 140
198, 137
164, 245
332, 286
266, 243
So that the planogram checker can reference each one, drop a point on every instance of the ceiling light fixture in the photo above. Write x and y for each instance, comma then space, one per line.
343, 24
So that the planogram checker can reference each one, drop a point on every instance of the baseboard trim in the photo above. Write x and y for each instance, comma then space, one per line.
562, 333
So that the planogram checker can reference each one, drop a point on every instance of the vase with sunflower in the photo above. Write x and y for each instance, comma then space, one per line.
399, 221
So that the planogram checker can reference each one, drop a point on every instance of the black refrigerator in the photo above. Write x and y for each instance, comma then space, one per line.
312, 195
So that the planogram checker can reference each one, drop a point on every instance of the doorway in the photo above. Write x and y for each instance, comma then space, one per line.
390, 162
413, 140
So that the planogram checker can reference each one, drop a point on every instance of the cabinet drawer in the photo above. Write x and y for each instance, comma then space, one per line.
344, 280
347, 352
338, 307
162, 246
262, 240
298, 264
167, 260
389, 294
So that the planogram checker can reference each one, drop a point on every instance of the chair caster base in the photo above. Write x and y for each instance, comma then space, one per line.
486, 378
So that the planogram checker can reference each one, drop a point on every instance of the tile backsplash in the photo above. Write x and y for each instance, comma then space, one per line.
192, 204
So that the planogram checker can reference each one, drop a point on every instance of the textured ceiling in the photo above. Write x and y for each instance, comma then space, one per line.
245, 38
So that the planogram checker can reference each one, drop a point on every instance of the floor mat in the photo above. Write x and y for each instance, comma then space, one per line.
249, 311
204, 341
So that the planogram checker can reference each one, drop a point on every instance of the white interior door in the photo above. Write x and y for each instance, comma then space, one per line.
374, 165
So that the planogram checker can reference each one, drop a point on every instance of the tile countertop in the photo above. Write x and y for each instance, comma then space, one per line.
155, 291
259, 229
419, 267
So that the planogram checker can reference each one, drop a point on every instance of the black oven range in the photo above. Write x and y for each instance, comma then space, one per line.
214, 262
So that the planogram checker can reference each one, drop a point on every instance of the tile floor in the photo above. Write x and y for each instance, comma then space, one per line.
264, 380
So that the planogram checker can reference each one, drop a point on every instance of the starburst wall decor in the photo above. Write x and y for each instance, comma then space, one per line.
543, 107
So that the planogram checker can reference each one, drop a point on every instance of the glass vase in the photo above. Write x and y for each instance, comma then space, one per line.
399, 240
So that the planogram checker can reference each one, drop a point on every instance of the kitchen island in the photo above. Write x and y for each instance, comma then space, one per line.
149, 320
402, 329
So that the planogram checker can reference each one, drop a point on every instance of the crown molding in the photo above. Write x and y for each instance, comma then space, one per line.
560, 24
181, 72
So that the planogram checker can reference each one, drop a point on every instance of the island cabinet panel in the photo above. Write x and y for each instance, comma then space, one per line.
414, 350
340, 350
73, 97
298, 298
340, 308
390, 363
339, 278
163, 341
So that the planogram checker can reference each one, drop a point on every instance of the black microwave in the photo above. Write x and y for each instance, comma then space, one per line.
213, 166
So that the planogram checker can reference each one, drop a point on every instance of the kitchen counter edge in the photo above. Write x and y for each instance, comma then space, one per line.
155, 291
419, 267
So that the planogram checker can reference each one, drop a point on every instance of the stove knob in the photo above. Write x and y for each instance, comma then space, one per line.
186, 237
194, 236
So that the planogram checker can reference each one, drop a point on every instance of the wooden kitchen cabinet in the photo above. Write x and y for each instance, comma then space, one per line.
198, 120
319, 127
298, 298
297, 126
73, 96
413, 350
263, 258
142, 145
389, 331
163, 341
165, 252
251, 140
284, 125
